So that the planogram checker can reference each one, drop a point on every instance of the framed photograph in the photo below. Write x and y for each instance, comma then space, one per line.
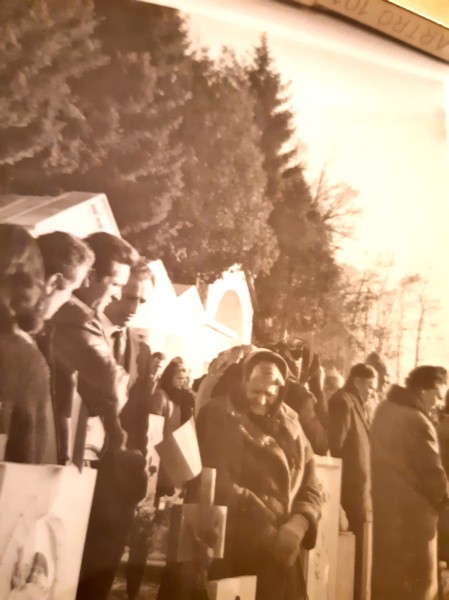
293, 159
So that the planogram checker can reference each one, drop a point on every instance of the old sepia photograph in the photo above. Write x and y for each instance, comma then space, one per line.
224, 303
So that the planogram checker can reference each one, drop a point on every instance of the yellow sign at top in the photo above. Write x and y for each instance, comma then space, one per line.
433, 10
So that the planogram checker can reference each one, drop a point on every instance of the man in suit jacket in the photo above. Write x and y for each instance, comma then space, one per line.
350, 415
134, 354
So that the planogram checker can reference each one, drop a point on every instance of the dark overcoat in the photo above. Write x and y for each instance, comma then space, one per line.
349, 440
264, 486
409, 487
304, 403
26, 414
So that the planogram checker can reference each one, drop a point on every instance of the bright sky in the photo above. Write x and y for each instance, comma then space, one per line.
374, 111
435, 10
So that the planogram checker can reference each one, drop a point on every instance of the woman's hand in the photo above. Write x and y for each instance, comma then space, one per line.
287, 542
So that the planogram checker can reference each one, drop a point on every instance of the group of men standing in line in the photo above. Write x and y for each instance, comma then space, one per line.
259, 429
392, 476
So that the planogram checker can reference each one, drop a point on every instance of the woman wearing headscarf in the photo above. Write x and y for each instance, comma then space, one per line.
265, 476
171, 399
176, 404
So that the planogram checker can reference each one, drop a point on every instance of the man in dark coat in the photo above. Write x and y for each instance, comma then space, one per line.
85, 365
409, 489
349, 423
442, 429
265, 475
84, 358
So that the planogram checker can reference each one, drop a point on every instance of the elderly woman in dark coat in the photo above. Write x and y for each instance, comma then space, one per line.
266, 477
409, 488
25, 403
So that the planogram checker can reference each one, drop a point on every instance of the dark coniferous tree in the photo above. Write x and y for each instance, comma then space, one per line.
273, 117
222, 217
87, 107
289, 296
150, 79
46, 47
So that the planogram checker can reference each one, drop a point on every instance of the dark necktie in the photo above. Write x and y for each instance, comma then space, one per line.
119, 347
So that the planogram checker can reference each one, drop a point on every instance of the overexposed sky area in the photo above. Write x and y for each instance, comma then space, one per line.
376, 112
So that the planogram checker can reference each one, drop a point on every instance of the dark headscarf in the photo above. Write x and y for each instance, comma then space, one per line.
272, 423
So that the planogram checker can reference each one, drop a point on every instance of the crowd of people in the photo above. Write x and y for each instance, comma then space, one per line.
261, 416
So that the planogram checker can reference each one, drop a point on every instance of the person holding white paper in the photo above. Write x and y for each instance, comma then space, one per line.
265, 475
176, 405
